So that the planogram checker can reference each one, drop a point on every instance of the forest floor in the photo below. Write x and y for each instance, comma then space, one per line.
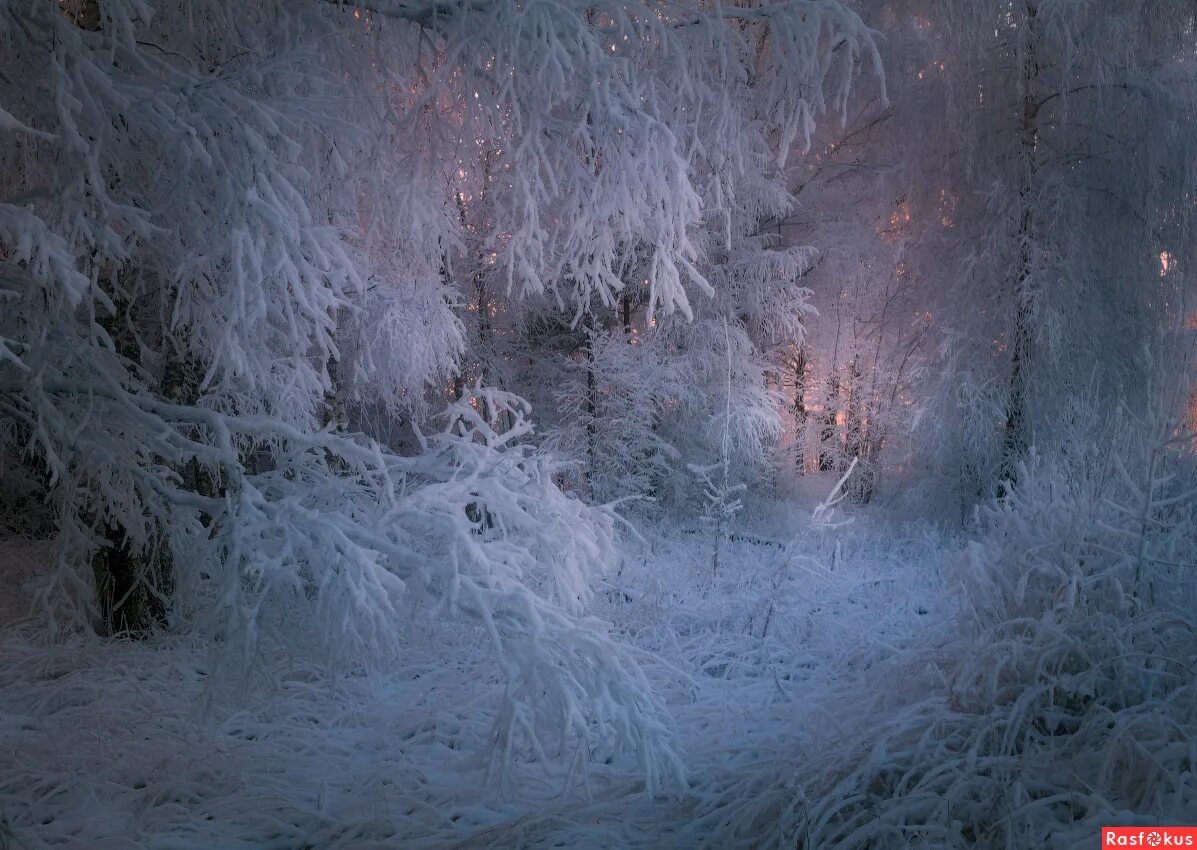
764, 666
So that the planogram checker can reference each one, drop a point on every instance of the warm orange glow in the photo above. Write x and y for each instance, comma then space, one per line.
939, 66
1166, 263
901, 215
899, 218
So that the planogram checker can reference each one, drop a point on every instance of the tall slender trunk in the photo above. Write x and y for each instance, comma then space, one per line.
800, 413
335, 413
1016, 438
859, 444
591, 397
827, 436
853, 419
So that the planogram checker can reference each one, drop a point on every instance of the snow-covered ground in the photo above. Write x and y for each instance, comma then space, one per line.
821, 689
127, 744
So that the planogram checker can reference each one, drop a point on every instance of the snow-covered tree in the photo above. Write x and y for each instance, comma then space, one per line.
1016, 259
231, 237
1063, 194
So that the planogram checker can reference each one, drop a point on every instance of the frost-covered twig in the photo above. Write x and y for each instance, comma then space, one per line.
824, 516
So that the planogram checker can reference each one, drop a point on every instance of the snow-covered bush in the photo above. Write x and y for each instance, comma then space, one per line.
640, 403
316, 552
616, 393
1062, 699
328, 543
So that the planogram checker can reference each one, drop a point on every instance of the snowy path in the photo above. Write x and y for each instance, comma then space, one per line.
116, 746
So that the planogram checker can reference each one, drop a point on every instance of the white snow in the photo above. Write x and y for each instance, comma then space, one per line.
124, 744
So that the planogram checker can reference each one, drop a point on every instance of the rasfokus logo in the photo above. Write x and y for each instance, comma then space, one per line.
1149, 836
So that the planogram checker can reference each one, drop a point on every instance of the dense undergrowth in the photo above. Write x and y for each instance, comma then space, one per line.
1062, 698
882, 684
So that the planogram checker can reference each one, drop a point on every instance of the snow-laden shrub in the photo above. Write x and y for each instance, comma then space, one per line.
615, 393
1061, 699
315, 553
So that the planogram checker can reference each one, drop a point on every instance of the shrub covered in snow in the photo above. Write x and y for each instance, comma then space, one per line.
1062, 699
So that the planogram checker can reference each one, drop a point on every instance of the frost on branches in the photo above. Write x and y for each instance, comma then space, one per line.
228, 232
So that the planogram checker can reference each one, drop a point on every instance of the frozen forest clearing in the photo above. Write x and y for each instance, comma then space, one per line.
815, 688
598, 423
115, 745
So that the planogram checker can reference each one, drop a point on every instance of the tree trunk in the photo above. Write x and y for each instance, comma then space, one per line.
132, 586
853, 426
1016, 438
800, 413
827, 441
857, 442
591, 399
336, 411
